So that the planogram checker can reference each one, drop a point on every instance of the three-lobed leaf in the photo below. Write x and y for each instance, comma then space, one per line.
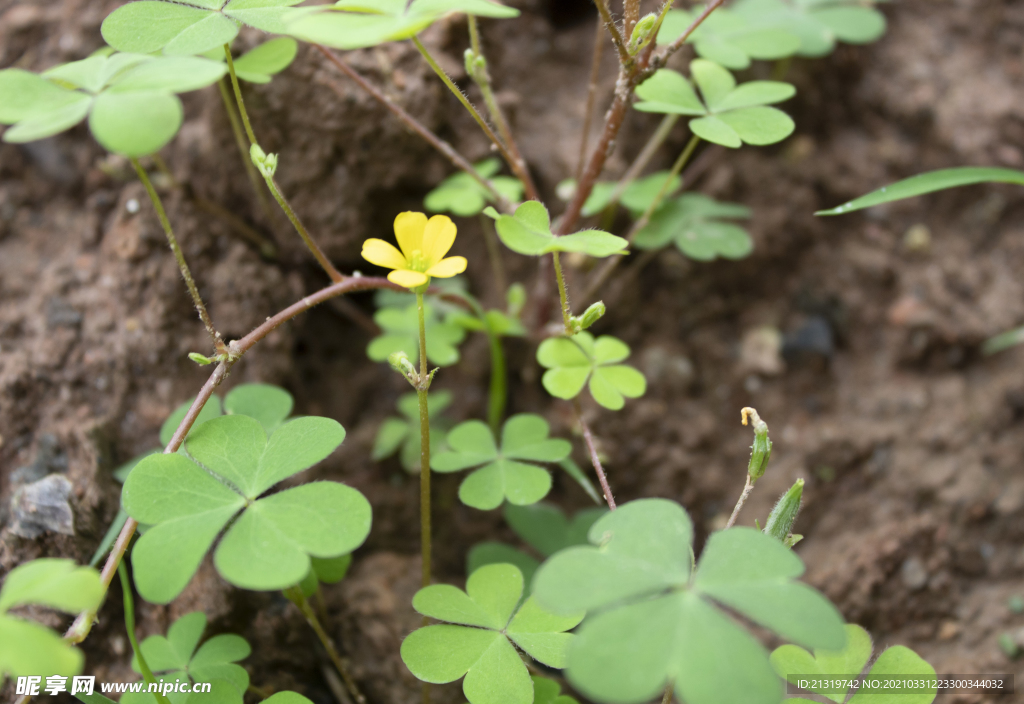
461, 194
818, 25
699, 227
724, 113
729, 38
400, 333
402, 434
573, 361
529, 232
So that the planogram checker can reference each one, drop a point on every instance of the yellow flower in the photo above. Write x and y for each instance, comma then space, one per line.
424, 244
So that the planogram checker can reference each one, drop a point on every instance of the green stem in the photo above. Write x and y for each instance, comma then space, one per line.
295, 595
250, 170
499, 373
421, 393
129, 624
238, 95
186, 273
563, 296
516, 165
313, 247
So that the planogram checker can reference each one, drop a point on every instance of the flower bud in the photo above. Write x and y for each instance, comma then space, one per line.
399, 361
265, 163
780, 521
642, 31
592, 314
476, 66
200, 359
761, 450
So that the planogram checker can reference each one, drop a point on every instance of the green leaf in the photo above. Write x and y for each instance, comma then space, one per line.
41, 125
331, 570
693, 222
728, 38
492, 553
638, 196
461, 194
713, 129
211, 409
574, 471
525, 437
572, 360
26, 94
27, 648
667, 91
546, 529
644, 548
57, 583
266, 60
759, 125
790, 660
471, 445
494, 672
753, 573
267, 15
929, 183
147, 26
404, 433
286, 698
401, 334
390, 436
529, 232
268, 404
174, 74
898, 660
135, 124
547, 691
818, 25
714, 81
269, 546
357, 24
852, 24
109, 537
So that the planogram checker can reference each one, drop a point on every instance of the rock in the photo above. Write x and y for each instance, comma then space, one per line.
918, 238
812, 339
49, 459
760, 352
913, 573
42, 506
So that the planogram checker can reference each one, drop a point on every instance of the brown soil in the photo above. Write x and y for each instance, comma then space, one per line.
910, 440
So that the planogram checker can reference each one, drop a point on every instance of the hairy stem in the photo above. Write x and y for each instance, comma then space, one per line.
250, 170
517, 165
747, 488
79, 630
631, 15
588, 111
588, 438
296, 596
129, 625
238, 95
613, 29
421, 393
313, 247
459, 161
563, 294
660, 60
186, 273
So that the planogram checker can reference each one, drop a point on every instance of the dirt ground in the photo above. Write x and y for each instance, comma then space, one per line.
857, 338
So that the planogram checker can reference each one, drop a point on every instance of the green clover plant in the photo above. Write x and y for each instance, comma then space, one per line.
572, 361
730, 38
818, 23
401, 334
652, 619
547, 691
129, 99
483, 629
189, 27
529, 232
636, 197
356, 24
263, 62
231, 462
508, 472
461, 194
402, 435
848, 663
699, 227
178, 656
726, 114
29, 648
544, 527
325, 570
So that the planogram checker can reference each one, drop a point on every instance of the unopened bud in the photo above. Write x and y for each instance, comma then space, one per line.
200, 359
780, 521
592, 314
642, 31
761, 450
399, 361
476, 66
265, 163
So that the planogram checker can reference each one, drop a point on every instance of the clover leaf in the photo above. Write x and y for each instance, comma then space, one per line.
651, 622
326, 570
29, 648
262, 63
547, 691
268, 404
694, 222
129, 99
728, 114
356, 24
794, 663
404, 432
461, 194
637, 196
479, 639
191, 26
401, 334
544, 527
178, 656
508, 472
571, 361
189, 500
729, 38
818, 23
529, 232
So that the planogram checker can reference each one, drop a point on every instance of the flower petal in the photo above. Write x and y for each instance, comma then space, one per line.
409, 232
383, 254
408, 278
446, 268
438, 238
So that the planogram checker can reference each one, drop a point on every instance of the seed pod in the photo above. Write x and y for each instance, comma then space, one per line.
592, 314
761, 450
780, 521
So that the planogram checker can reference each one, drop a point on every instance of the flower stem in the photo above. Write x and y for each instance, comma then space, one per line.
421, 393
129, 624
238, 95
296, 596
563, 295
588, 114
250, 170
517, 165
588, 438
186, 273
747, 488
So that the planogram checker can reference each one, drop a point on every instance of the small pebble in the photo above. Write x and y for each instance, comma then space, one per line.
918, 238
913, 573
132, 206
